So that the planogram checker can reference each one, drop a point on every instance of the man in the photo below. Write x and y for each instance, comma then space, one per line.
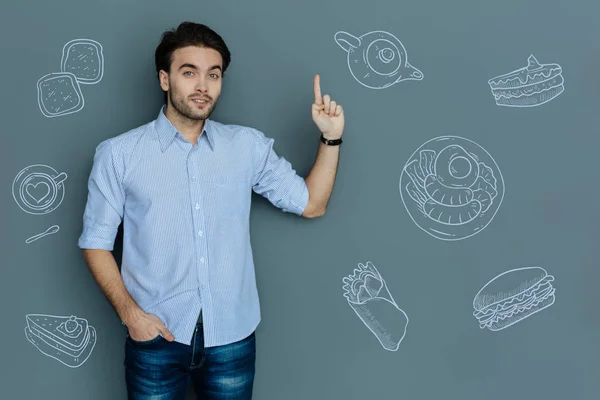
182, 186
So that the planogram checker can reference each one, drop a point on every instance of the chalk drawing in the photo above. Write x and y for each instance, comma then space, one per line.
513, 296
369, 297
59, 93
69, 340
84, 59
377, 59
50, 231
39, 189
529, 86
451, 187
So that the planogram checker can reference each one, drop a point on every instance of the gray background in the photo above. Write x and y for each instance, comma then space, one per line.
311, 345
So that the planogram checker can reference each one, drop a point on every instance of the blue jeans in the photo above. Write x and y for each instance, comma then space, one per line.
161, 370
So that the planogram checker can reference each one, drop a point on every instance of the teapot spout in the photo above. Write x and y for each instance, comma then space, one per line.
410, 73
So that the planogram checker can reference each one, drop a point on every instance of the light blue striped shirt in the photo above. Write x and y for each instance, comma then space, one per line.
185, 211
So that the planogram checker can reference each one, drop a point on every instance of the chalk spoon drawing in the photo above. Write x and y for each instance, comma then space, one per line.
39, 189
50, 231
377, 59
451, 187
513, 296
369, 297
529, 86
69, 340
82, 63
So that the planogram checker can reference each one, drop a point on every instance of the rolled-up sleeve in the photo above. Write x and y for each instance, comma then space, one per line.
276, 180
105, 201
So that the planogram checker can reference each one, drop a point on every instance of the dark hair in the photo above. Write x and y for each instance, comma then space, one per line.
188, 34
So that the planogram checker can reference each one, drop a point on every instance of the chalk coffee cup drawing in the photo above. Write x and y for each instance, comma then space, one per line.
377, 59
39, 189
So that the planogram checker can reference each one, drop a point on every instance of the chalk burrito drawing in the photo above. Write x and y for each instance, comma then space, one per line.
369, 297
82, 63
377, 59
451, 187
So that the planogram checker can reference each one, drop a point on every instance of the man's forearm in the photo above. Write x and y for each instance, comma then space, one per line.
321, 178
105, 270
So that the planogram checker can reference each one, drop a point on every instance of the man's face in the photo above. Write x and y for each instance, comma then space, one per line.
194, 83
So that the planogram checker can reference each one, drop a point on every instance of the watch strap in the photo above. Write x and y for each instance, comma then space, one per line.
329, 142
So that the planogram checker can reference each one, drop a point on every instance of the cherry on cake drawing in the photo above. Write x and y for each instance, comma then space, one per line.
529, 86
377, 59
513, 296
67, 339
59, 92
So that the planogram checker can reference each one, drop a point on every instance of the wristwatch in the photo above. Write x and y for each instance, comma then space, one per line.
329, 142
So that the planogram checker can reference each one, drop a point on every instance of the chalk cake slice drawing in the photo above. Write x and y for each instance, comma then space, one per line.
369, 297
69, 340
377, 59
84, 59
59, 94
39, 189
451, 187
50, 231
529, 86
513, 296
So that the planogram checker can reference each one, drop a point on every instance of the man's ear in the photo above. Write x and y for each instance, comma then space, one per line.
164, 80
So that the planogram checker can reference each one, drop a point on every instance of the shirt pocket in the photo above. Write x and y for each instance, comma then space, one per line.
227, 198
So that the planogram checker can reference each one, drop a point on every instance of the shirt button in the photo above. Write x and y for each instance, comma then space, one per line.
197, 206
202, 260
203, 287
200, 233
193, 180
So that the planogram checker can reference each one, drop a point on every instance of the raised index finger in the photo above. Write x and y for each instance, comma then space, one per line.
317, 89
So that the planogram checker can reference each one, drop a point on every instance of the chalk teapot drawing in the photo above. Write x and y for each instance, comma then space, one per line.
377, 59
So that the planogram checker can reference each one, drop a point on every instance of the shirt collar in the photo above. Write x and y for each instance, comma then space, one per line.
167, 132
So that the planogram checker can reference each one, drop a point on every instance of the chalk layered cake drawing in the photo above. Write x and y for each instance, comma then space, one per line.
451, 187
368, 295
67, 339
529, 86
513, 296
82, 63
377, 59
39, 189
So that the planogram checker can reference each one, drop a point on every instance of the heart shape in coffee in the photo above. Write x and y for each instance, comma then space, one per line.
38, 192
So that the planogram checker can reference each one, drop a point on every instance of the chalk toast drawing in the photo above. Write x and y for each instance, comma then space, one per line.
69, 340
530, 86
451, 187
377, 59
50, 231
368, 295
59, 93
39, 189
83, 58
513, 296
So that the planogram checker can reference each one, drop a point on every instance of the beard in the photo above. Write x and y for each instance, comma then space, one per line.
184, 109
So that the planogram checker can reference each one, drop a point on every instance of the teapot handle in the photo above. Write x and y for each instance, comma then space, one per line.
347, 41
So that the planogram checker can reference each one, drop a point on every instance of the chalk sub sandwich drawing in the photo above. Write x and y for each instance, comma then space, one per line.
369, 297
513, 296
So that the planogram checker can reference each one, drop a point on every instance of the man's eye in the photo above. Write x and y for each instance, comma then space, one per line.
187, 73
215, 76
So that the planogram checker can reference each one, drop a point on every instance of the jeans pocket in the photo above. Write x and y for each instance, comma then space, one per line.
144, 342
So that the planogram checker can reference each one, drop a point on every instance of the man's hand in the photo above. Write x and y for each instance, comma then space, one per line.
147, 327
327, 114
